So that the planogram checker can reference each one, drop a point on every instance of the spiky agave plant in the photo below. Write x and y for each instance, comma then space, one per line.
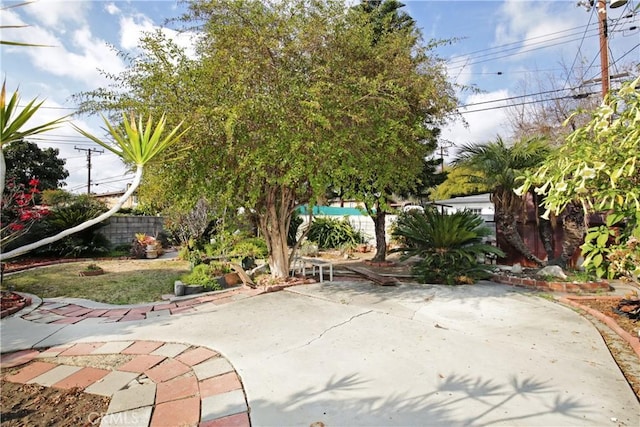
449, 245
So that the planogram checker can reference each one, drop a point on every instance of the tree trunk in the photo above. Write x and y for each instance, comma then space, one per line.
545, 228
574, 229
545, 231
277, 207
507, 224
379, 221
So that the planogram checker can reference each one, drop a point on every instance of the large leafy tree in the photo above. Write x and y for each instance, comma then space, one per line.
284, 98
403, 118
498, 165
460, 181
26, 161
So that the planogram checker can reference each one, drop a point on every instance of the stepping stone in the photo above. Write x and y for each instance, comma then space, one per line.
169, 349
137, 396
30, 372
112, 382
134, 417
212, 368
82, 379
18, 358
184, 412
222, 405
112, 347
197, 355
55, 375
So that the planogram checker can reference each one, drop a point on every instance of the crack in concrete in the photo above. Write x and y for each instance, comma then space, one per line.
336, 326
324, 332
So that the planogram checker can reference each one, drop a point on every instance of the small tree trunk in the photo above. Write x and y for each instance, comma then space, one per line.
545, 231
379, 221
279, 258
507, 224
573, 227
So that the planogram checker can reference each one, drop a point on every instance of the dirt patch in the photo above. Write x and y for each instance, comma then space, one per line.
35, 405
103, 361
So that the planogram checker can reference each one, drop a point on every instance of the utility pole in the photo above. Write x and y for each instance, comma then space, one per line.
604, 46
89, 151
604, 40
444, 146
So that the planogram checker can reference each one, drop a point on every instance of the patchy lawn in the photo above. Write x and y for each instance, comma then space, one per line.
124, 281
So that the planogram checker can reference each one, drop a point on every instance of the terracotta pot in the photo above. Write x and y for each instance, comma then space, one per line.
84, 273
232, 279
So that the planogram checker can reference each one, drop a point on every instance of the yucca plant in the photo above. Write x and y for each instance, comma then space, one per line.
12, 121
135, 143
449, 245
331, 233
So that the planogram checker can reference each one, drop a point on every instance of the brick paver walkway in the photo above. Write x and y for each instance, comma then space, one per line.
68, 313
156, 384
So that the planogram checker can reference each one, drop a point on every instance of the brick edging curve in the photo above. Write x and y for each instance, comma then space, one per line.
610, 322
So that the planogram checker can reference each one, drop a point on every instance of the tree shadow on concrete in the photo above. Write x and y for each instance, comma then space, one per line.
458, 400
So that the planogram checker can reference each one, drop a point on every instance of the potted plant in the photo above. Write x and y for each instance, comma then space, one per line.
146, 246
91, 270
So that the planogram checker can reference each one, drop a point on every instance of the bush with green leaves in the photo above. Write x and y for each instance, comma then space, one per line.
206, 275
71, 213
331, 233
253, 247
449, 245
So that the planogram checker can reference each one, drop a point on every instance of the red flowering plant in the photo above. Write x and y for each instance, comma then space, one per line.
18, 210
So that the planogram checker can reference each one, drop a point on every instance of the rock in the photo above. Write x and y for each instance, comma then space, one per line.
516, 268
551, 271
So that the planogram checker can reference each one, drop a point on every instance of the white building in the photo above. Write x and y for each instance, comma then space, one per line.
480, 204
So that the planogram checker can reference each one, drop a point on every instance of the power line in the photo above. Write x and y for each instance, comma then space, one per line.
575, 58
536, 101
519, 43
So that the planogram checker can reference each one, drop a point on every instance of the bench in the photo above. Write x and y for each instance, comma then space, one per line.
300, 264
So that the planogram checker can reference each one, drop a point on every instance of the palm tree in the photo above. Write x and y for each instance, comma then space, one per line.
498, 166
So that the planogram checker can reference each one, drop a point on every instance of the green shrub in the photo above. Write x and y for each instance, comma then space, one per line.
333, 233
206, 275
253, 247
449, 245
86, 242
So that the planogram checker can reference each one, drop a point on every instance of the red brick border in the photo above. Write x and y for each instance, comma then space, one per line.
610, 322
566, 287
184, 392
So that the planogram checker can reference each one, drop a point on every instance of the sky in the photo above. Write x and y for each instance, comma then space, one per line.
501, 49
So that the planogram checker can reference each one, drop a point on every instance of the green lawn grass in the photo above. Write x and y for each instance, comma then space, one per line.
124, 281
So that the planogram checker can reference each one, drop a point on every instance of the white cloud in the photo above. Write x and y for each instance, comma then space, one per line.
132, 29
112, 9
55, 14
536, 22
80, 60
460, 70
481, 126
